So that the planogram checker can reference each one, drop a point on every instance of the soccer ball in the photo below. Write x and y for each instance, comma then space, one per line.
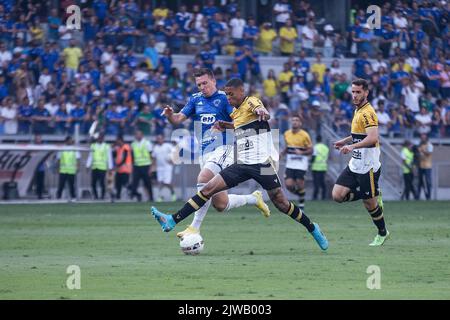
192, 244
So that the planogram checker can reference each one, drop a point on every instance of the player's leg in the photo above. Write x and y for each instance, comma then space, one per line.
267, 177
301, 191
370, 192
428, 184
289, 180
345, 187
168, 222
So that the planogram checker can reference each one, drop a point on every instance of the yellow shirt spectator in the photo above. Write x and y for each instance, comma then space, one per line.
270, 87
406, 67
266, 37
287, 33
72, 57
160, 12
285, 77
320, 69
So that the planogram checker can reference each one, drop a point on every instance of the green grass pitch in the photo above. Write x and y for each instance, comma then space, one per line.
123, 254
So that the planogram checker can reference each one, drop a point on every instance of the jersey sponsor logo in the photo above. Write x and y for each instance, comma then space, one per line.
200, 103
247, 145
208, 118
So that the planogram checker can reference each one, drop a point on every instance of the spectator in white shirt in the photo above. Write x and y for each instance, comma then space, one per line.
282, 11
237, 25
5, 55
8, 112
378, 63
423, 121
309, 36
384, 120
412, 60
411, 94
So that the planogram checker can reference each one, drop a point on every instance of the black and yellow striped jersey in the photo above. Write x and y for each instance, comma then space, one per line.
254, 141
297, 140
364, 159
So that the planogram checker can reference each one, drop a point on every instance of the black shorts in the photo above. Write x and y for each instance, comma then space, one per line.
294, 174
367, 182
264, 174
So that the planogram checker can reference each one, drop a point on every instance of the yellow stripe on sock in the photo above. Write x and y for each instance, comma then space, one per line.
291, 209
378, 218
202, 196
193, 204
300, 214
374, 210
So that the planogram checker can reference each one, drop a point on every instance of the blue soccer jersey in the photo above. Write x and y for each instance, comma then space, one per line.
205, 111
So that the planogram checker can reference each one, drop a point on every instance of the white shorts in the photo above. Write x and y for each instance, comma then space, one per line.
164, 175
219, 159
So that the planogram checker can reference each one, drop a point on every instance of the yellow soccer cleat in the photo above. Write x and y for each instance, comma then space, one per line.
188, 230
260, 204
379, 240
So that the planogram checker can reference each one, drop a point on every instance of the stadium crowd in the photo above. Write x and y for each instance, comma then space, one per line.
118, 69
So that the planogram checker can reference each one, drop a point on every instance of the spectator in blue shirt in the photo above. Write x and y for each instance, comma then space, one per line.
77, 116
3, 88
359, 66
207, 56
53, 25
101, 10
365, 40
251, 32
387, 38
210, 9
24, 116
301, 65
115, 120
41, 118
62, 119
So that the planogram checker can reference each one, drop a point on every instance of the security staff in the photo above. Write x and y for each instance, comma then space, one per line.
408, 174
100, 160
319, 167
68, 167
142, 161
123, 164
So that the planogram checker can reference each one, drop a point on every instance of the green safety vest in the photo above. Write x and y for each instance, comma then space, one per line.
321, 158
409, 159
68, 162
141, 155
100, 156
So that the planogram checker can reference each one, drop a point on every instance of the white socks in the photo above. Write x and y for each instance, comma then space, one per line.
200, 213
236, 201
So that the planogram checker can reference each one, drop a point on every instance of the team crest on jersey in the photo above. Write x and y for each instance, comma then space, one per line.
216, 102
208, 118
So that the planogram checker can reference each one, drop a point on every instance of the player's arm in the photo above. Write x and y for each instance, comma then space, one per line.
223, 125
370, 140
339, 144
174, 118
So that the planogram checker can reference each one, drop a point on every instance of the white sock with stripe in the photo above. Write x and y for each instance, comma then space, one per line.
236, 201
200, 213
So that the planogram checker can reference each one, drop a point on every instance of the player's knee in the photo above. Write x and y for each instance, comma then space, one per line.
219, 206
337, 196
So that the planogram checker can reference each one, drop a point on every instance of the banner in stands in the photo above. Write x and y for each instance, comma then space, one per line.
19, 166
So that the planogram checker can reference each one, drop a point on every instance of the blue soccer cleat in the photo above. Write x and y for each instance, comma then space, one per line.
165, 220
319, 237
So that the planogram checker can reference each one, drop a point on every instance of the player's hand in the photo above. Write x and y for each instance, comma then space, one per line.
263, 114
339, 144
346, 149
168, 111
219, 125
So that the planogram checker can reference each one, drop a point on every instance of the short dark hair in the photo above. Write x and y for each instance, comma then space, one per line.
319, 138
235, 83
202, 71
361, 82
296, 115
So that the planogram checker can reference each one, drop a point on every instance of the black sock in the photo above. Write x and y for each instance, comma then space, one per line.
353, 195
192, 205
301, 194
378, 220
298, 215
